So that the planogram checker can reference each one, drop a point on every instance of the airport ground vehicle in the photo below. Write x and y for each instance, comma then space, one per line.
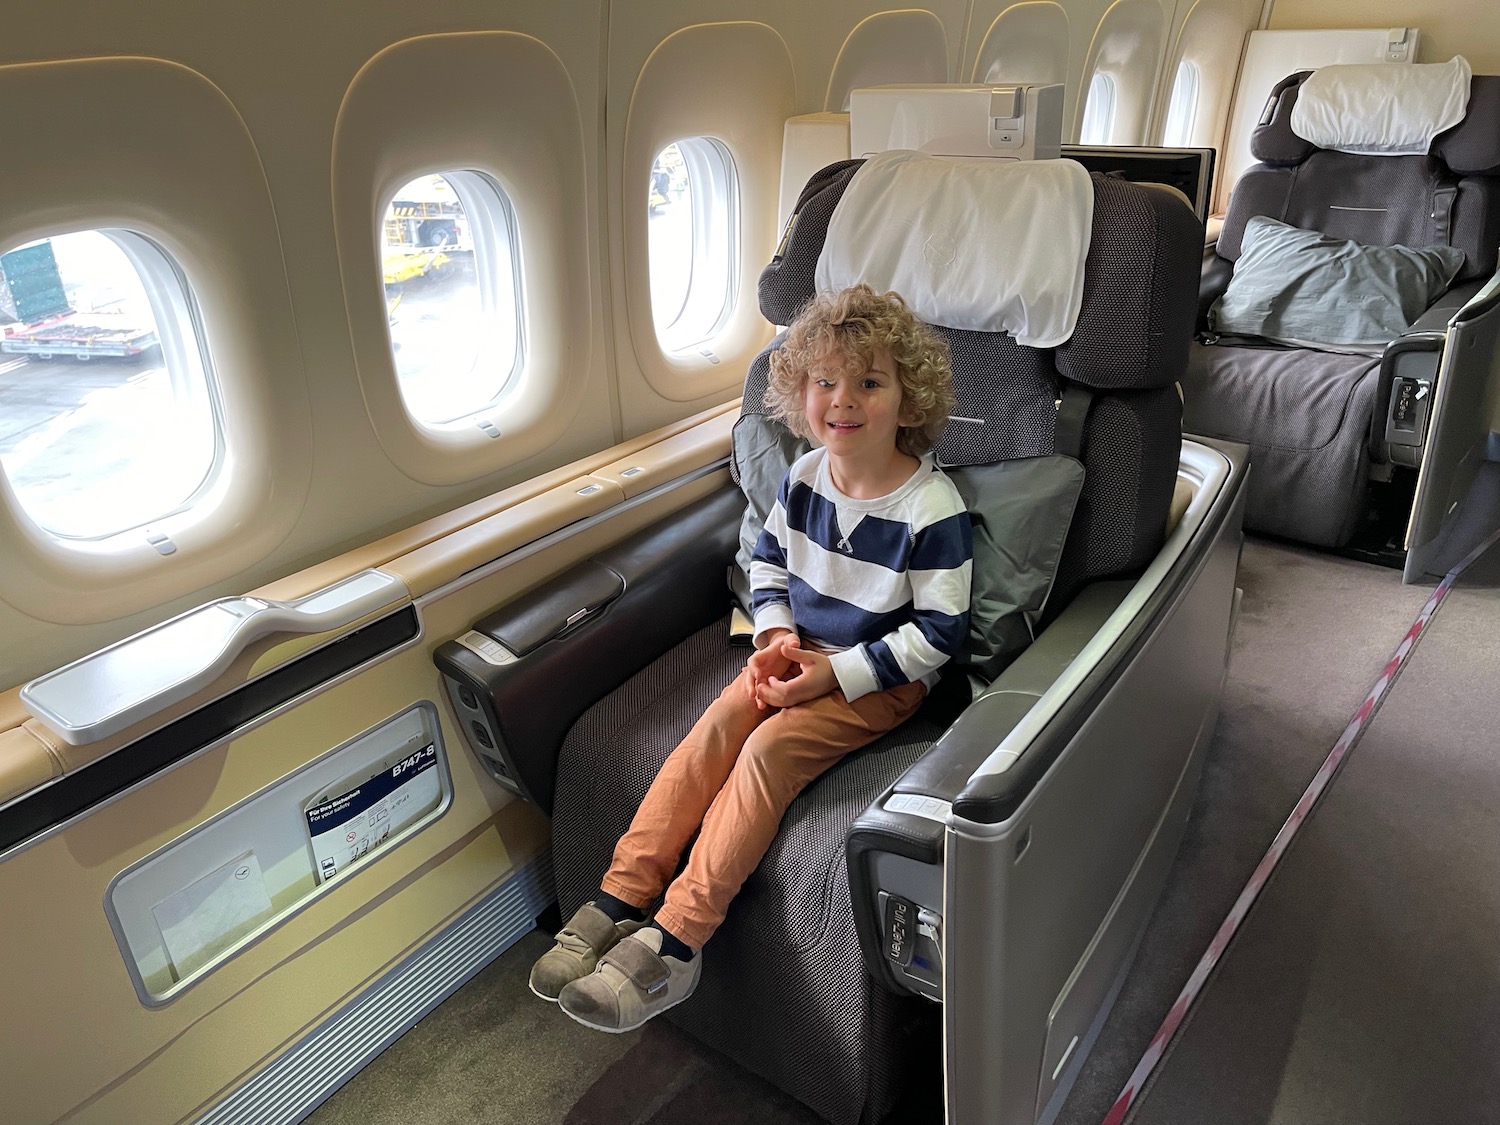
43, 324
274, 135
80, 337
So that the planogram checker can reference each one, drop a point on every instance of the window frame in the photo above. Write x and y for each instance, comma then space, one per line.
1104, 83
491, 218
1179, 120
715, 238
194, 186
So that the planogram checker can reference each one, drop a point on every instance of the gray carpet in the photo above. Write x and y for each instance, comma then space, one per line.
1313, 634
1364, 988
494, 1053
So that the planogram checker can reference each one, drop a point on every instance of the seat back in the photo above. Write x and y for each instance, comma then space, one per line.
1450, 196
1127, 351
785, 989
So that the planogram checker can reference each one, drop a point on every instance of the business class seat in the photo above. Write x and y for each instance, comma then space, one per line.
1318, 418
795, 986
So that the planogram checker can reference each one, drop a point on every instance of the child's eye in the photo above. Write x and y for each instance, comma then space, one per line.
824, 383
870, 384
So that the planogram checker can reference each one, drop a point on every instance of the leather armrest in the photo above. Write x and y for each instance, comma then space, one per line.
1213, 280
1425, 334
585, 633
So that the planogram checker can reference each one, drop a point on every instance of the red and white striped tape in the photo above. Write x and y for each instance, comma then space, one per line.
1267, 865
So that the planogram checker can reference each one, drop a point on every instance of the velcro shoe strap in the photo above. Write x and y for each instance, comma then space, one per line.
593, 926
646, 970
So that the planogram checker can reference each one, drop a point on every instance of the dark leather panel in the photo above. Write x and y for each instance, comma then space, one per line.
1212, 282
672, 582
546, 613
1272, 141
875, 831
1472, 147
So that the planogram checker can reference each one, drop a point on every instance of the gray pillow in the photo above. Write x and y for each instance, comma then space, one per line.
1301, 287
1021, 512
763, 451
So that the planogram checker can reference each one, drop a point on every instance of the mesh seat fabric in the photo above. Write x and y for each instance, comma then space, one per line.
1306, 414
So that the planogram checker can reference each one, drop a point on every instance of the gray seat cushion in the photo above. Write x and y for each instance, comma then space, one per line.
1305, 416
787, 960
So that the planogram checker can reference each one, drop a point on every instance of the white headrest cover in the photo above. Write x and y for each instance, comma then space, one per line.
1381, 109
989, 246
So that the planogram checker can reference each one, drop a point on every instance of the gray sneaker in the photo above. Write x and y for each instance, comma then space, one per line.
589, 934
634, 982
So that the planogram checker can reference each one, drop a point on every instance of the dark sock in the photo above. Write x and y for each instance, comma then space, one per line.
673, 946
617, 910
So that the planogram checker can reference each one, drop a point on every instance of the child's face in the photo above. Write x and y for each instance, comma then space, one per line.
852, 408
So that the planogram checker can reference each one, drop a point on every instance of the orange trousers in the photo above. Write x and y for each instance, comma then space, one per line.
731, 780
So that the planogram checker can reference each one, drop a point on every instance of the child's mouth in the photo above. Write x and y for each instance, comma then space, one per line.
843, 425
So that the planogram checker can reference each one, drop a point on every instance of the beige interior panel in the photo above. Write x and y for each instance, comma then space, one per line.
1128, 46
434, 560
409, 539
908, 45
666, 460
98, 1053
1027, 43
26, 762
1452, 27
1212, 37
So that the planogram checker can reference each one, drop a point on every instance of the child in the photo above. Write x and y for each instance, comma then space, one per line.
860, 591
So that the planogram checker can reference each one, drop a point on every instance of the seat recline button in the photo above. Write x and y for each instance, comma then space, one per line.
900, 929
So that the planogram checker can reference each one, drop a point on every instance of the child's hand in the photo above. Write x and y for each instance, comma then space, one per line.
764, 663
815, 679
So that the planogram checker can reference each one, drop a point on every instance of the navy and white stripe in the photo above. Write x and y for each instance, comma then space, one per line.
883, 583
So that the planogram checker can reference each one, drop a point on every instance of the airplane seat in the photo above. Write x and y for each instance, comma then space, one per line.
794, 985
1277, 370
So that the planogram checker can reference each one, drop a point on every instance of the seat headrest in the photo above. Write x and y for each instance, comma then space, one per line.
962, 243
1139, 282
1376, 109
1469, 148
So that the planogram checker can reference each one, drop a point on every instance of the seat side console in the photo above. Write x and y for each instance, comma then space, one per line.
522, 675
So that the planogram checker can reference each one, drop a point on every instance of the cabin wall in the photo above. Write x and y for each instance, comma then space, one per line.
1449, 27
636, 74
306, 89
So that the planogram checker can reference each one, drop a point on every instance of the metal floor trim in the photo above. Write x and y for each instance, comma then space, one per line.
302, 1079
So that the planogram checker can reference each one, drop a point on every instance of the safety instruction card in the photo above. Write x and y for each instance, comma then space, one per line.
346, 826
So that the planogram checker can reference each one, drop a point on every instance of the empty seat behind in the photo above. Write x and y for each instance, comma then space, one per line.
1314, 416
785, 989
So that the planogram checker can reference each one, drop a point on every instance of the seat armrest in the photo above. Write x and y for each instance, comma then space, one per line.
908, 819
1213, 280
1425, 335
521, 677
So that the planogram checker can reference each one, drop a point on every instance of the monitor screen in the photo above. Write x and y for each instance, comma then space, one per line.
1189, 170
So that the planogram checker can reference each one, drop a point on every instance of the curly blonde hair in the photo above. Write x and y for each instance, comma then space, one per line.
851, 325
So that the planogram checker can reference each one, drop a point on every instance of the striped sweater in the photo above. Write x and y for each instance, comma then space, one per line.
882, 584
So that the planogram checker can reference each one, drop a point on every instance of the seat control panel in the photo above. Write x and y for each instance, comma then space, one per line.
911, 936
1406, 424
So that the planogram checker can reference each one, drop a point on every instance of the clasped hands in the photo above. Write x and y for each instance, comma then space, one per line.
784, 673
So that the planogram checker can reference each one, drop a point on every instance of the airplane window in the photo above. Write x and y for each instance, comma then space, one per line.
107, 414
451, 271
1098, 111
1182, 109
693, 216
